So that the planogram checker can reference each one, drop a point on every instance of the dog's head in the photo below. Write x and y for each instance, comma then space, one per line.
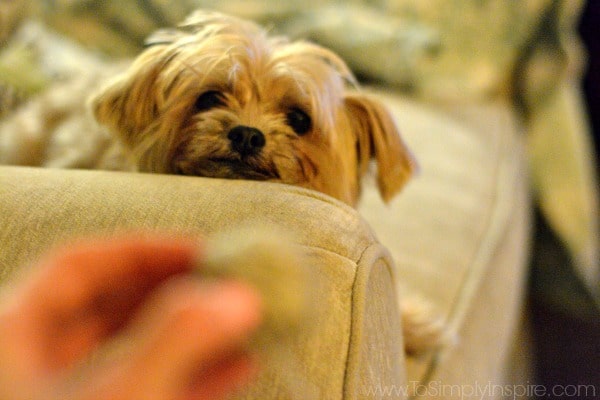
217, 97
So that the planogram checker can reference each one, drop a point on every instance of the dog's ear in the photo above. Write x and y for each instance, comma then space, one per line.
377, 137
127, 104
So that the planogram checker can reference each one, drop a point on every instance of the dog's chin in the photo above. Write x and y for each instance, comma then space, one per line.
227, 168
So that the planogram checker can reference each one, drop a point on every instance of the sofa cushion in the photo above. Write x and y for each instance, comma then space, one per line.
459, 231
355, 338
458, 235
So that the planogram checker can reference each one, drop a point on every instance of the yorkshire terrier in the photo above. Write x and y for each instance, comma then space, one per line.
218, 97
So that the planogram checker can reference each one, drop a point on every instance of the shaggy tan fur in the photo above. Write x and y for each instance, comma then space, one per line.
259, 81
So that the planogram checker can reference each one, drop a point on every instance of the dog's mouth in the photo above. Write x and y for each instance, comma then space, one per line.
230, 168
245, 169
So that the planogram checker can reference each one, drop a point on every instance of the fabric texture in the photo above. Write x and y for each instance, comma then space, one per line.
43, 207
457, 237
459, 227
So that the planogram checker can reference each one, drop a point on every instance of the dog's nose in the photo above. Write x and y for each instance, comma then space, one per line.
246, 140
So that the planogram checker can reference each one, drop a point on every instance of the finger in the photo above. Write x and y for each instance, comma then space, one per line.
91, 267
216, 382
188, 335
82, 294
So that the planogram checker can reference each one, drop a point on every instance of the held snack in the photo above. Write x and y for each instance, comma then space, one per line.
267, 259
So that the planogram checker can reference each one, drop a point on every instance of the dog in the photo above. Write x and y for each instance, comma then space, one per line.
218, 97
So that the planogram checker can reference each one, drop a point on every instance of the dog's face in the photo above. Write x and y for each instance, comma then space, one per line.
219, 98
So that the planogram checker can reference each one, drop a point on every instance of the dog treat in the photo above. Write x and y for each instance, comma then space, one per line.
268, 260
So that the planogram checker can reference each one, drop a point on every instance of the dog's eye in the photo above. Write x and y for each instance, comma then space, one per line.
299, 121
208, 100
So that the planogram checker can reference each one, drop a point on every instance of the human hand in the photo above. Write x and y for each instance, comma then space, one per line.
187, 338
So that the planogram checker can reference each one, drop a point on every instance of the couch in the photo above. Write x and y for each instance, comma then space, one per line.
458, 236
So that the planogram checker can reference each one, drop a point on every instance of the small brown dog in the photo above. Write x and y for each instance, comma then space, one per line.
217, 97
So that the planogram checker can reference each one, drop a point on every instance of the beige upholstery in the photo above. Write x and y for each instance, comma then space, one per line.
458, 236
459, 233
43, 207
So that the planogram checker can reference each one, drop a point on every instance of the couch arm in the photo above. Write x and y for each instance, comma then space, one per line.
355, 345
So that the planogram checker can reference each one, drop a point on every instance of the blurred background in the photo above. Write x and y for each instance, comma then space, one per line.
568, 345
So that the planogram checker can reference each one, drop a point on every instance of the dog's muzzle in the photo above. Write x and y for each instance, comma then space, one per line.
246, 141
244, 160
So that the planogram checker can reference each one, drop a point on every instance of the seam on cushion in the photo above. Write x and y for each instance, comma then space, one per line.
376, 252
352, 339
355, 330
313, 194
336, 253
496, 225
